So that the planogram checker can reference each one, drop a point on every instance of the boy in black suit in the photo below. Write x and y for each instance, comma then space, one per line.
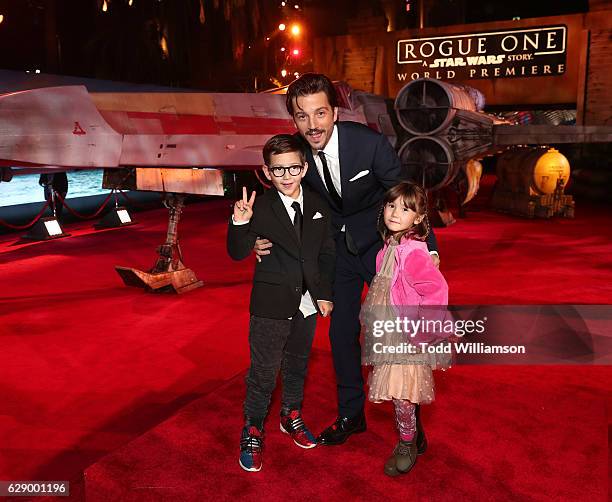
289, 287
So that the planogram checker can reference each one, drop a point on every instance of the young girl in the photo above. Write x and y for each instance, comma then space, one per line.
406, 282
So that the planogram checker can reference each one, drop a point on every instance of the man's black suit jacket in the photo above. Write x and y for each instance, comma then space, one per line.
277, 283
367, 158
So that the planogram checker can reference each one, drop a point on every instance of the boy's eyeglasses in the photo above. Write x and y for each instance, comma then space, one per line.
279, 171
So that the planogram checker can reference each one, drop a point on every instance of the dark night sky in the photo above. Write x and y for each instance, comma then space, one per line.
74, 37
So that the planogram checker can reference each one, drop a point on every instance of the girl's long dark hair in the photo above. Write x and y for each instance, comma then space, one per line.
414, 198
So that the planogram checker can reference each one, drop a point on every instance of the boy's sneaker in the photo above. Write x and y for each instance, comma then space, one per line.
251, 446
293, 424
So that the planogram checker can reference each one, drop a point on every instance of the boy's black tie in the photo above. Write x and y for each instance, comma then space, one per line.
297, 219
328, 181
297, 223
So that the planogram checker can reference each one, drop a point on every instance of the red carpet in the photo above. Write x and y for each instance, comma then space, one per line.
489, 440
88, 365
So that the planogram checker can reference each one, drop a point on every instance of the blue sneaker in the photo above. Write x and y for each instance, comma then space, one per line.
251, 446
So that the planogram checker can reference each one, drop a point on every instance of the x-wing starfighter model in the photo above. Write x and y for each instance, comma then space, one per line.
197, 143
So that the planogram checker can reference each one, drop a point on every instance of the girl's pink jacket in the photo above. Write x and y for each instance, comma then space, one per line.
416, 280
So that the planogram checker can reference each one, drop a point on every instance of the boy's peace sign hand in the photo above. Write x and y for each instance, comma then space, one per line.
243, 208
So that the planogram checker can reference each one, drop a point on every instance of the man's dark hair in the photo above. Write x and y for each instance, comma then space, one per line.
311, 83
282, 143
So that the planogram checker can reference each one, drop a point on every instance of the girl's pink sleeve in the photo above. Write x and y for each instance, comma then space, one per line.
425, 278
379, 257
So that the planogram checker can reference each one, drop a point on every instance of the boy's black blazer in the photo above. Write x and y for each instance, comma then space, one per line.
277, 283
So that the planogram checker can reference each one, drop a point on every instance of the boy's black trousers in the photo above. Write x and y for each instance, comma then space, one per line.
277, 344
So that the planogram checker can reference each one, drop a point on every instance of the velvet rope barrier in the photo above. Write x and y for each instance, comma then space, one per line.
27, 225
81, 216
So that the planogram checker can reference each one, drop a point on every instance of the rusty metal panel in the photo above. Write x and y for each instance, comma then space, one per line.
192, 181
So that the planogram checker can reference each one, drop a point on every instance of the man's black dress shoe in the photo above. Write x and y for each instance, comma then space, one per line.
341, 429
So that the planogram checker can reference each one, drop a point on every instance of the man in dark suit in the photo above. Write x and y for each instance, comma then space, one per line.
57, 183
352, 166
289, 287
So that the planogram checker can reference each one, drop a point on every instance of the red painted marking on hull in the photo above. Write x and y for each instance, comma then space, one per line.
78, 130
202, 124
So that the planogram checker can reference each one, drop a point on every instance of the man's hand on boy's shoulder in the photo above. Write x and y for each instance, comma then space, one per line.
325, 307
243, 208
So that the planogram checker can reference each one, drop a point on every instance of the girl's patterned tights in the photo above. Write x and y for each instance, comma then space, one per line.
405, 419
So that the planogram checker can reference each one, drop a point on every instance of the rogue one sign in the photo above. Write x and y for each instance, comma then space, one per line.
534, 52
